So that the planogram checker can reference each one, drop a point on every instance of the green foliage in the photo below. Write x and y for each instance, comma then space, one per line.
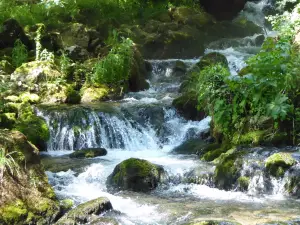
7, 163
115, 67
270, 88
19, 53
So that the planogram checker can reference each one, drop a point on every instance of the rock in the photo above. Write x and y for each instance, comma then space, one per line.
211, 59
137, 80
243, 183
223, 9
228, 166
104, 221
293, 185
83, 212
179, 69
35, 72
34, 127
136, 175
28, 97
25, 192
11, 32
278, 163
94, 93
88, 153
75, 34
213, 222
194, 146
186, 106
77, 53
259, 40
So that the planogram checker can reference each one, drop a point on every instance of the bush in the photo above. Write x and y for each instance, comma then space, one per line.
19, 53
115, 67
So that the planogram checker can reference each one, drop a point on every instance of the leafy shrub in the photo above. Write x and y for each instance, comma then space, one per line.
19, 54
115, 67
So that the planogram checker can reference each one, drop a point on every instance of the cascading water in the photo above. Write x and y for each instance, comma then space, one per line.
144, 125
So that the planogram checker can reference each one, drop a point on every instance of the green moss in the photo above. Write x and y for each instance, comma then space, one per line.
28, 97
66, 204
212, 155
94, 93
34, 127
12, 107
14, 213
88, 153
252, 137
278, 163
244, 182
228, 166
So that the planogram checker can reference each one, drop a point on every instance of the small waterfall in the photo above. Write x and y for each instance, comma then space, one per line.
86, 128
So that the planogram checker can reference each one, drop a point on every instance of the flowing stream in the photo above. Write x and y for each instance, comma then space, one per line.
145, 125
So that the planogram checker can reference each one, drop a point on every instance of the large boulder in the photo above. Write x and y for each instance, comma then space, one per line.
26, 196
278, 163
212, 59
136, 175
84, 213
223, 9
33, 73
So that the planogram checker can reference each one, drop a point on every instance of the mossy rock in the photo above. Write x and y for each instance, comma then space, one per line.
278, 163
250, 138
136, 175
84, 212
27, 197
73, 96
88, 153
34, 127
94, 93
29, 97
7, 120
244, 71
12, 98
186, 106
66, 204
243, 183
293, 185
211, 59
35, 72
228, 166
193, 146
214, 153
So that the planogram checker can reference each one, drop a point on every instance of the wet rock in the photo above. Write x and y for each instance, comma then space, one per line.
259, 40
77, 53
137, 80
212, 59
278, 163
293, 185
194, 146
186, 106
179, 69
104, 221
213, 222
12, 31
25, 192
84, 212
88, 153
136, 175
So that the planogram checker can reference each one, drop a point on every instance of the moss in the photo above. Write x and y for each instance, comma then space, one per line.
94, 93
244, 71
66, 204
14, 213
243, 183
278, 163
28, 97
227, 170
193, 146
34, 127
11, 107
213, 154
252, 137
